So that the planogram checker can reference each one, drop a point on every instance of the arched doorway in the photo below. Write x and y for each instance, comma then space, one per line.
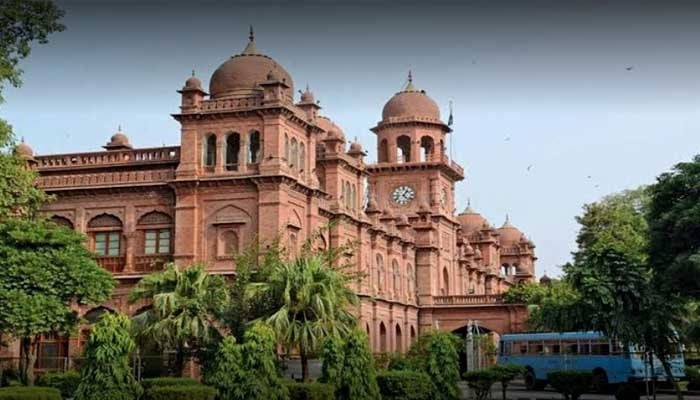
382, 338
399, 339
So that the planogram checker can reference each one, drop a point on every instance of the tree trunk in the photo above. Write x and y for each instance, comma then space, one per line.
304, 366
503, 388
30, 349
669, 376
179, 367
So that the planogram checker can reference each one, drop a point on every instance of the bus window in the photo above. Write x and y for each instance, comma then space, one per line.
584, 347
506, 348
616, 348
552, 347
570, 348
519, 347
600, 348
535, 348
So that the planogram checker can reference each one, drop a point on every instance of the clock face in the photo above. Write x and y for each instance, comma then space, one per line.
403, 195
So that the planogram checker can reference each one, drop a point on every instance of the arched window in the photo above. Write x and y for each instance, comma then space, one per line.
411, 281
348, 196
380, 272
399, 340
445, 282
156, 228
62, 221
383, 151
367, 329
228, 244
413, 334
403, 149
353, 197
286, 148
396, 283
294, 155
382, 338
106, 232
302, 156
210, 150
427, 148
233, 147
254, 147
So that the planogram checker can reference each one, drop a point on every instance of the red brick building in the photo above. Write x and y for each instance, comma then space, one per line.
254, 162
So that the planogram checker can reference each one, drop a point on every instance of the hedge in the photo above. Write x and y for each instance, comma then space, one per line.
152, 382
409, 385
309, 391
181, 392
572, 384
627, 392
66, 382
693, 376
29, 393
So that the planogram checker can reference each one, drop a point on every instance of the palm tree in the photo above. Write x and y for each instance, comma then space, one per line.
314, 299
185, 304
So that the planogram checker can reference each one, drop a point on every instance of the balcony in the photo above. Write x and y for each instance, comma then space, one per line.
114, 265
152, 263
472, 299
155, 155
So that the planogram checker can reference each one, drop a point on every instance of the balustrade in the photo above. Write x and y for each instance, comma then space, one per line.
468, 299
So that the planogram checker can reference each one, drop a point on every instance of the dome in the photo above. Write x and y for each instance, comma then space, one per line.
329, 126
509, 234
118, 141
411, 104
24, 151
355, 148
244, 72
307, 97
193, 82
471, 220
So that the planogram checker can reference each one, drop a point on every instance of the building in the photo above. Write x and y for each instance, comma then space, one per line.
254, 162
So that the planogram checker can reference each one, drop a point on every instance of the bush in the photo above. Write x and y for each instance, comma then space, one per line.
358, 378
435, 353
693, 376
29, 393
153, 382
571, 384
506, 373
181, 392
309, 391
627, 392
332, 354
409, 385
481, 382
9, 376
66, 382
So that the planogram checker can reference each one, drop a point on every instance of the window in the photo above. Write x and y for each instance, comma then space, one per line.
552, 347
395, 273
380, 272
233, 146
210, 151
107, 244
302, 156
403, 149
254, 147
383, 151
570, 348
294, 154
157, 241
445, 282
426, 145
228, 245
600, 347
286, 147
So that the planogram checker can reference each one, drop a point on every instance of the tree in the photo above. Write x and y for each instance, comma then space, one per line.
314, 304
481, 382
46, 269
435, 353
185, 306
106, 369
332, 354
505, 374
358, 377
247, 371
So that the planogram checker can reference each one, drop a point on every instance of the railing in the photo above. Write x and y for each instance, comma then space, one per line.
468, 299
151, 263
109, 158
112, 264
106, 178
510, 250
226, 104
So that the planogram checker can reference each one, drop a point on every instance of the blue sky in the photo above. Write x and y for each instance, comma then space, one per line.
540, 83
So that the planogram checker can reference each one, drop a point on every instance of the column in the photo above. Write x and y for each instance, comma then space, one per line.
220, 152
243, 153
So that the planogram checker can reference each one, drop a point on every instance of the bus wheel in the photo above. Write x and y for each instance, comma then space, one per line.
530, 380
599, 383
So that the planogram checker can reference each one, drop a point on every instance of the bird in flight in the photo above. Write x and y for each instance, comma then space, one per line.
629, 68
529, 167
507, 139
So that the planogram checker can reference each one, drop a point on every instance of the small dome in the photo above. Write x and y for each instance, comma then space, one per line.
193, 82
24, 151
118, 141
327, 125
471, 220
411, 104
355, 148
509, 234
245, 72
307, 97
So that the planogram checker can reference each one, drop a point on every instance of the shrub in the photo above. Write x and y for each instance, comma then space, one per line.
481, 382
693, 375
29, 393
506, 373
106, 369
409, 385
181, 392
332, 353
9, 376
66, 382
435, 353
358, 378
627, 392
309, 391
571, 384
153, 382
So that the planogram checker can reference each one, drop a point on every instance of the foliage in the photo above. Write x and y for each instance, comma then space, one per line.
66, 382
358, 378
315, 299
506, 373
185, 305
29, 393
181, 392
435, 353
627, 392
571, 384
525, 293
106, 368
693, 376
248, 370
46, 269
674, 227
332, 354
168, 381
309, 391
408, 385
481, 382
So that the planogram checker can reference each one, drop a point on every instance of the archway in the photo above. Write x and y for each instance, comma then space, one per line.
382, 338
399, 339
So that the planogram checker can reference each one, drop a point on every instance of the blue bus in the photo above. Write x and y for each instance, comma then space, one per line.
609, 362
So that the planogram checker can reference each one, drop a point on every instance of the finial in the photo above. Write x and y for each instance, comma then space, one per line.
410, 76
307, 87
193, 72
409, 85
22, 140
251, 37
119, 128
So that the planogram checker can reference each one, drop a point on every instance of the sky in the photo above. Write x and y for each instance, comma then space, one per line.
556, 103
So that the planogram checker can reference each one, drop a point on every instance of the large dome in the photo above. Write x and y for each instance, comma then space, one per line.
245, 72
471, 220
411, 104
509, 234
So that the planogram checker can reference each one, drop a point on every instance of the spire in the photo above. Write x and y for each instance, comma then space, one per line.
193, 72
469, 209
409, 87
250, 49
119, 128
507, 223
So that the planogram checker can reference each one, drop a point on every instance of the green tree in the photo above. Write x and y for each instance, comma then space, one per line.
505, 374
332, 354
185, 306
106, 370
247, 371
45, 270
358, 376
315, 298
435, 353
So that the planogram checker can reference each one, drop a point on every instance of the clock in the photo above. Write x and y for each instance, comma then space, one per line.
403, 195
